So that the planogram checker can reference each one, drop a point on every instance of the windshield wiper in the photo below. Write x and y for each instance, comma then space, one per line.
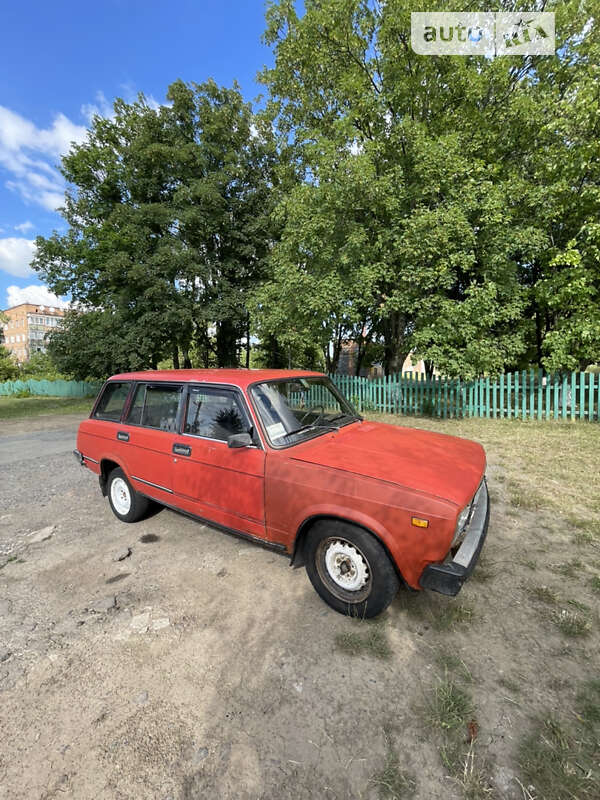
313, 425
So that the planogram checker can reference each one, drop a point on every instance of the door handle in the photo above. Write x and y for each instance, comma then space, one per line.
122, 436
182, 450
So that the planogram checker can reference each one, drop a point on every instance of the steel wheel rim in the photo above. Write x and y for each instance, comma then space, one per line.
344, 569
120, 496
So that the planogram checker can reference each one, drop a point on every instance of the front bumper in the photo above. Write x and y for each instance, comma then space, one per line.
447, 577
78, 456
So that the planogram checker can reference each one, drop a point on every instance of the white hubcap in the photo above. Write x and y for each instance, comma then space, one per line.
120, 496
346, 566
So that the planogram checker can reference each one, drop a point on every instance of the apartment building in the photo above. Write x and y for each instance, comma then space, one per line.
26, 328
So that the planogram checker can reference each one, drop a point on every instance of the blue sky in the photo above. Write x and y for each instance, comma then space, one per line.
62, 61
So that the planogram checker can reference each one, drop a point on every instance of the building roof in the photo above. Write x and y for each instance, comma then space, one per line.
237, 377
40, 308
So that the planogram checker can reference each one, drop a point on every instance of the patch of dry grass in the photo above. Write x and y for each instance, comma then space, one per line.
368, 638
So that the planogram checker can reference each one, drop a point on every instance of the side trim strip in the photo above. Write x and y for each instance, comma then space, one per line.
154, 485
276, 547
87, 458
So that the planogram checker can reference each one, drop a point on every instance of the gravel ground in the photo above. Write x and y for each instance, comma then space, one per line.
200, 665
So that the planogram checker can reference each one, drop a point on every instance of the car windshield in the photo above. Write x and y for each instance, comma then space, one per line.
300, 408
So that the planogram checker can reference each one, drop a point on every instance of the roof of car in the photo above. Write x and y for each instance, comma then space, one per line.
237, 377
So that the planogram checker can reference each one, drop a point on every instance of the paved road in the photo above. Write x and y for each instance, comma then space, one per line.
19, 447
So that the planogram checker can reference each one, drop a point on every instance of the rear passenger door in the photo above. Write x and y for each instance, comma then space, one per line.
147, 436
210, 479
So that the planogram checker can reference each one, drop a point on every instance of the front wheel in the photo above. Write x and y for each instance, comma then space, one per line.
350, 569
126, 503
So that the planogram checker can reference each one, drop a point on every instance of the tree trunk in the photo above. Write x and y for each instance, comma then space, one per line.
395, 344
187, 361
428, 369
175, 357
226, 344
248, 342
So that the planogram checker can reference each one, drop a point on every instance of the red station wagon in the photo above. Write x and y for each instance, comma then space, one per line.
282, 458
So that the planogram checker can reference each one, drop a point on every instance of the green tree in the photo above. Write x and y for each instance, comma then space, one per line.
8, 366
437, 191
169, 225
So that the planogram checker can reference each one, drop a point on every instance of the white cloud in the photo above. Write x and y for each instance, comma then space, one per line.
16, 255
38, 295
30, 155
24, 227
100, 108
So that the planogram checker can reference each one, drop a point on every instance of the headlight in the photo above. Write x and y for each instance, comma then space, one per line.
463, 518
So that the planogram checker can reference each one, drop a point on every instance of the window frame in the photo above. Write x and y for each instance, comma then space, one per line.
101, 395
154, 384
317, 432
257, 441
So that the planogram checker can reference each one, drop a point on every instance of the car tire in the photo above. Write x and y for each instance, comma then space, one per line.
350, 569
126, 504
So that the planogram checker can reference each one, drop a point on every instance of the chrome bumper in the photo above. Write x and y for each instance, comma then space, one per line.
447, 577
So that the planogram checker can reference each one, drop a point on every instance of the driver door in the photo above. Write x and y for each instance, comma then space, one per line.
211, 480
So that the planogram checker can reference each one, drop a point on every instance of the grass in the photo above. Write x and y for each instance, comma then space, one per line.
559, 757
371, 640
595, 583
543, 593
440, 613
449, 662
450, 706
571, 623
525, 498
393, 782
450, 712
510, 684
14, 407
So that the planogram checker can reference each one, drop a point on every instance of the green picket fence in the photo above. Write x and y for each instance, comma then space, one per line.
51, 388
528, 394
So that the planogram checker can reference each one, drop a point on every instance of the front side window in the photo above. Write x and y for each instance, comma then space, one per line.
155, 406
300, 408
110, 405
214, 414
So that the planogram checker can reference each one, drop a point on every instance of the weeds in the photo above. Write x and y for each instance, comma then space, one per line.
569, 569
543, 593
525, 499
450, 712
393, 782
449, 662
560, 760
571, 623
595, 583
451, 615
450, 706
372, 641
509, 684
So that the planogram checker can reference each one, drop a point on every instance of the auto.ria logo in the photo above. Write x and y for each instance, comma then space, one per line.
482, 33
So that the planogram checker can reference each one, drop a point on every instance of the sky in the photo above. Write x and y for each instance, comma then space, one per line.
61, 62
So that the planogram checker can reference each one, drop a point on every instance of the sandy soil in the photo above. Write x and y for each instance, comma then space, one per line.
203, 666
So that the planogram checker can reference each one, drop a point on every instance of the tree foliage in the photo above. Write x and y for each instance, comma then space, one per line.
438, 192
169, 226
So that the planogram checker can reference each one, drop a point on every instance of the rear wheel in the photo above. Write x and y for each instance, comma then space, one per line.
350, 569
126, 503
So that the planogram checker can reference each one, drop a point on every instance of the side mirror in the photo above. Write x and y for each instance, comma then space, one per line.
239, 440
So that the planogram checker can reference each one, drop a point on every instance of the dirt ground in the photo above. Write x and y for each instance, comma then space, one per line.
202, 666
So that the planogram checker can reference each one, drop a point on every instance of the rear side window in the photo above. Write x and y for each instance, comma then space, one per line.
155, 406
214, 414
110, 405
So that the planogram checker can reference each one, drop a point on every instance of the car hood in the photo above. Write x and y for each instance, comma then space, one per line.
442, 466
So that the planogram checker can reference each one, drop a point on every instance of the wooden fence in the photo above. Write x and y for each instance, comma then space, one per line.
529, 394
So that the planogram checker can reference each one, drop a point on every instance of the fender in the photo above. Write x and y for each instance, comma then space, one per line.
327, 511
102, 474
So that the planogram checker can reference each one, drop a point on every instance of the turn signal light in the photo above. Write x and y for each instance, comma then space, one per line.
419, 522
